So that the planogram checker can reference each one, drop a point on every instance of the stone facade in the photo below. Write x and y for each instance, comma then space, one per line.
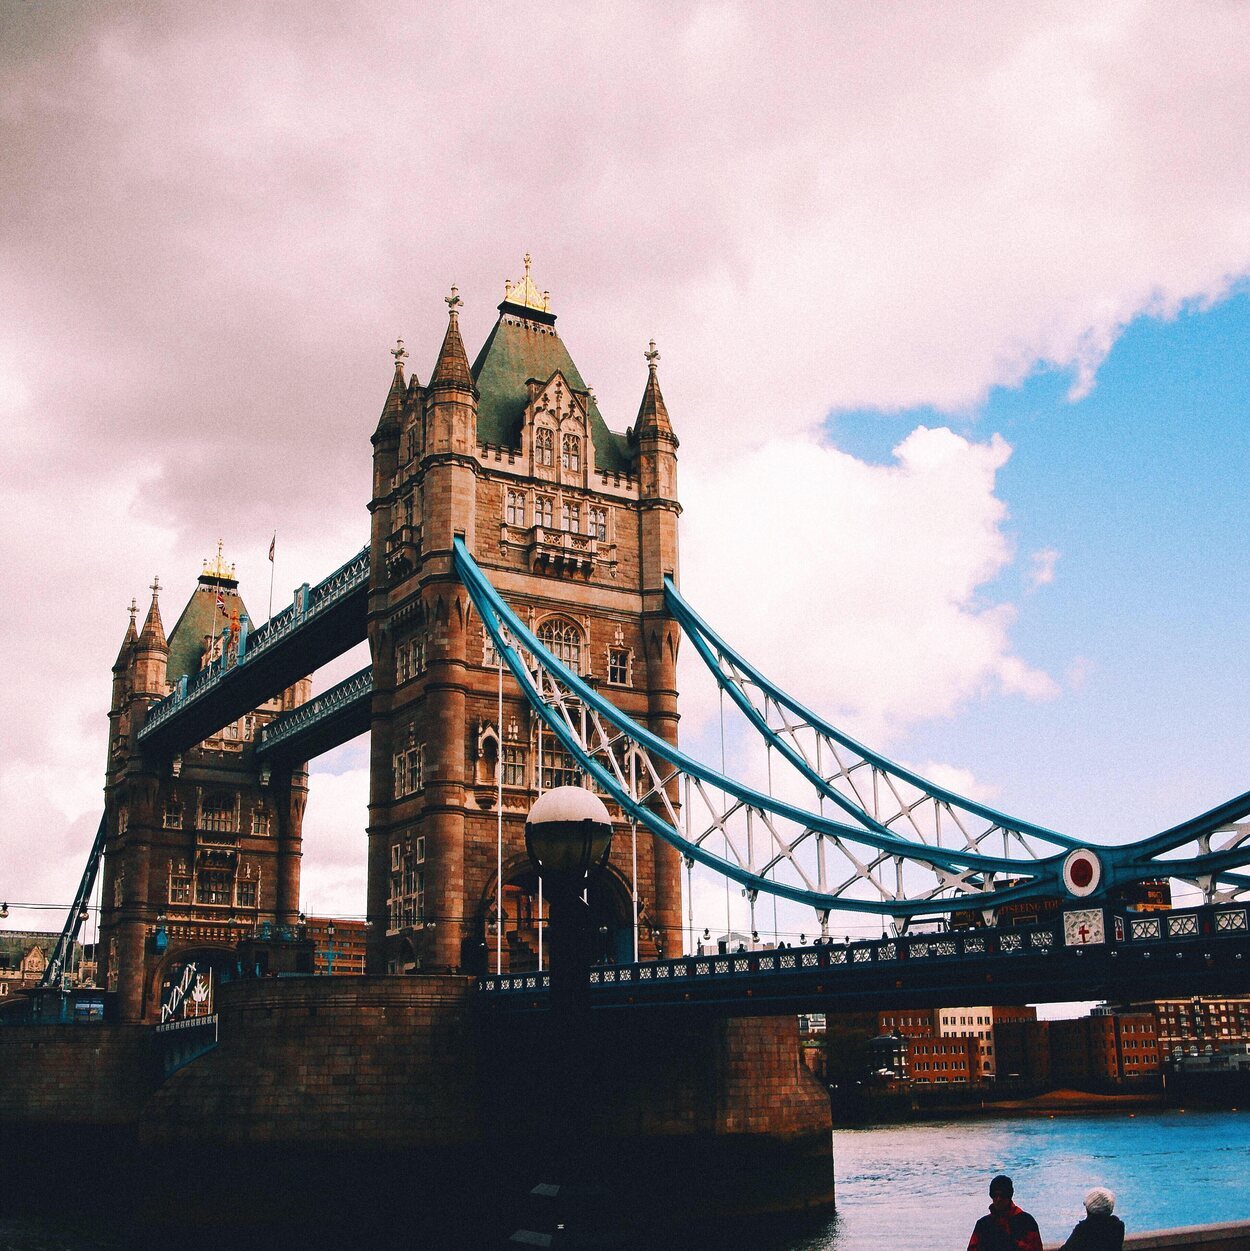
202, 850
577, 527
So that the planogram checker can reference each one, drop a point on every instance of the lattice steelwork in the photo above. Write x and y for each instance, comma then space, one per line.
916, 848
758, 840
885, 797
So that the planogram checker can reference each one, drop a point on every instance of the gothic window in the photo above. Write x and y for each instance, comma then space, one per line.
179, 888
260, 822
544, 447
213, 886
513, 765
571, 516
173, 813
409, 659
246, 894
217, 814
413, 436
409, 509
618, 666
123, 820
490, 653
514, 514
563, 640
409, 765
559, 769
571, 452
544, 511
598, 528
119, 884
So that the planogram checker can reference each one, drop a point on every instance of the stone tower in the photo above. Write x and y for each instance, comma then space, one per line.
577, 527
203, 849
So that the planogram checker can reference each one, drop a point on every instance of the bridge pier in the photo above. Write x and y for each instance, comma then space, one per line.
687, 1110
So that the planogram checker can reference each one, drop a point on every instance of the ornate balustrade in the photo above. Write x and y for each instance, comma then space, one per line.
325, 706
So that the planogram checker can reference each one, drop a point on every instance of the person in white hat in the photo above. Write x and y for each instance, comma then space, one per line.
1099, 1231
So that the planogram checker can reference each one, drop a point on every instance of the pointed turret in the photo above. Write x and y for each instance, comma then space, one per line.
451, 371
151, 650
128, 643
652, 412
393, 410
451, 397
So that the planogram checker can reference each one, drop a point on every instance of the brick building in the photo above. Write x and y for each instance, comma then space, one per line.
339, 945
577, 527
975, 1023
1108, 1047
1199, 1025
203, 850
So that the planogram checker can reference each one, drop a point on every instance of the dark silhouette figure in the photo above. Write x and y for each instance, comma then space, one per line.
1005, 1227
1099, 1231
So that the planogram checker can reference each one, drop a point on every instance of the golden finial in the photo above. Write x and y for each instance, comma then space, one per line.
399, 353
524, 292
453, 301
651, 356
217, 568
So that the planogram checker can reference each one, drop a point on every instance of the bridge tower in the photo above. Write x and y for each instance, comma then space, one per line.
203, 849
577, 527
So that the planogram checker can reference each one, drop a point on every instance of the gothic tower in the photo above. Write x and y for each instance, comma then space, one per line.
577, 527
203, 849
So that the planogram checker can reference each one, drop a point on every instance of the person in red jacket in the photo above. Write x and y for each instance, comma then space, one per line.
1005, 1227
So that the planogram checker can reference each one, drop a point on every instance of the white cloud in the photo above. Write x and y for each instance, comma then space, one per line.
197, 306
1042, 566
858, 587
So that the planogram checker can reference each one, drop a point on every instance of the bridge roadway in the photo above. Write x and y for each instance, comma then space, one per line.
324, 622
1203, 950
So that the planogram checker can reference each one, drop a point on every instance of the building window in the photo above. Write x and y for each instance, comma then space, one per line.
618, 666
571, 516
123, 820
514, 514
260, 822
409, 770
217, 814
513, 765
571, 452
599, 524
559, 769
564, 641
544, 511
544, 447
213, 886
179, 889
173, 814
409, 658
246, 895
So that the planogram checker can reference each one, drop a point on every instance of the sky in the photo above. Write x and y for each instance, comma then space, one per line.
953, 305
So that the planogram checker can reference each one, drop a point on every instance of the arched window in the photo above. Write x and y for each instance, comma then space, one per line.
544, 447
571, 452
563, 640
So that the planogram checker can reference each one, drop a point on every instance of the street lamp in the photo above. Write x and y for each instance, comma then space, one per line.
568, 836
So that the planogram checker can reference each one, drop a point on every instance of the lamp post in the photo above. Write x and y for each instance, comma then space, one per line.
568, 836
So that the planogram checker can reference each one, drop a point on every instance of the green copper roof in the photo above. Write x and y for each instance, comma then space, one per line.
521, 346
201, 616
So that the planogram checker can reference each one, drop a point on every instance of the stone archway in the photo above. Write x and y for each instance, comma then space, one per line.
611, 917
216, 964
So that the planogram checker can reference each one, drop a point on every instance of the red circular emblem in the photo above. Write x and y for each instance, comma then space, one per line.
1081, 872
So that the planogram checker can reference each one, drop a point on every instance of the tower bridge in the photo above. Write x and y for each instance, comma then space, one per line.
520, 597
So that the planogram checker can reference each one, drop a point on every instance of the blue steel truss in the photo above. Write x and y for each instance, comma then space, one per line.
262, 662
914, 848
331, 718
78, 909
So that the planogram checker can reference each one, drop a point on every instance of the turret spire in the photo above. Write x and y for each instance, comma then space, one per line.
652, 412
393, 408
152, 636
132, 637
452, 368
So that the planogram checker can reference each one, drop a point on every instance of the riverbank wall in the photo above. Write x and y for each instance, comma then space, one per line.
406, 1097
1225, 1236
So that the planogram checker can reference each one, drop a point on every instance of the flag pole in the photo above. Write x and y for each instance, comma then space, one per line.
272, 545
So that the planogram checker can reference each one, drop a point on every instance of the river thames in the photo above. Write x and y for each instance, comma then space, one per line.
917, 1187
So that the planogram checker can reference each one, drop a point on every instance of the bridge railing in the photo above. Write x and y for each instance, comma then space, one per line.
309, 603
324, 705
1141, 932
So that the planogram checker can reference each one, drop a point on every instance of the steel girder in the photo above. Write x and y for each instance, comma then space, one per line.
885, 796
